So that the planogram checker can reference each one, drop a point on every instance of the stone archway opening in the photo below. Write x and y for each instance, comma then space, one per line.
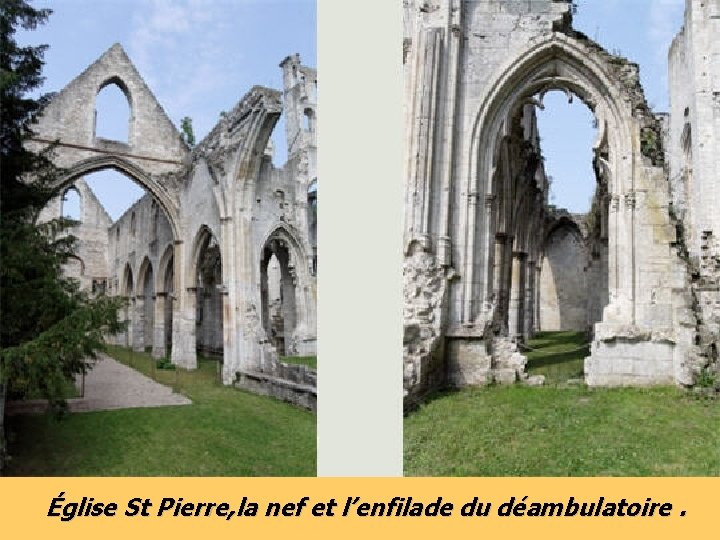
123, 232
278, 294
502, 276
572, 285
72, 204
209, 294
542, 257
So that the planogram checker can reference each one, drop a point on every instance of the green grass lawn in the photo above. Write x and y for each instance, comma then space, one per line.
557, 355
225, 432
563, 430
309, 361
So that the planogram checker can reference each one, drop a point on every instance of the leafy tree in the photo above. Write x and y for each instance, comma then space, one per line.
187, 129
50, 329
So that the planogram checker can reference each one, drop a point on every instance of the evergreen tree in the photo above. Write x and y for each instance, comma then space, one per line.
49, 329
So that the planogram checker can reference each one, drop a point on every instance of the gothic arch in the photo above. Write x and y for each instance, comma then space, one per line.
166, 259
559, 62
65, 200
123, 89
127, 286
304, 322
265, 107
110, 161
145, 268
562, 222
203, 236
284, 232
120, 83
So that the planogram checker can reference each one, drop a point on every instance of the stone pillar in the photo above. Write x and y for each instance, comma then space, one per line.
506, 280
186, 342
208, 316
158, 350
138, 335
121, 338
184, 312
129, 317
517, 296
529, 300
536, 303
498, 266
304, 335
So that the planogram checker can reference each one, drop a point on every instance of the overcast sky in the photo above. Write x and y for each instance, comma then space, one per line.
199, 57
640, 30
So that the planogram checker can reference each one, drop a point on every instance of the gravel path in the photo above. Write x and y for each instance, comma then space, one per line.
112, 385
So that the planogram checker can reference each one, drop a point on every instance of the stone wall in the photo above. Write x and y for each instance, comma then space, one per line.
189, 255
91, 265
476, 198
296, 384
693, 140
563, 282
694, 130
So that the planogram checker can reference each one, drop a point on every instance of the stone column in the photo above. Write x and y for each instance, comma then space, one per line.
517, 296
124, 337
506, 280
158, 350
536, 304
207, 319
184, 312
138, 335
529, 300
498, 265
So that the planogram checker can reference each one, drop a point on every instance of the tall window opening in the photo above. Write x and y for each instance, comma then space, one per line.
278, 295
312, 222
209, 315
567, 131
112, 113
71, 204
309, 120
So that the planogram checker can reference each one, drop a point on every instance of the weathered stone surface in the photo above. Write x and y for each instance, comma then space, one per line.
192, 255
476, 197
563, 281
535, 380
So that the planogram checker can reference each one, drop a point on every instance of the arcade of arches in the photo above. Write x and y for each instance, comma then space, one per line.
191, 256
488, 262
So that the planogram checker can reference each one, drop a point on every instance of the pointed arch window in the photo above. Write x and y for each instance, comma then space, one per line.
309, 120
72, 204
113, 112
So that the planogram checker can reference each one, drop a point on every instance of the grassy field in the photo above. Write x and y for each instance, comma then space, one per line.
562, 430
309, 361
225, 432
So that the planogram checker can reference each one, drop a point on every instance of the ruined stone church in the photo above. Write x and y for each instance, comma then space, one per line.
220, 256
488, 262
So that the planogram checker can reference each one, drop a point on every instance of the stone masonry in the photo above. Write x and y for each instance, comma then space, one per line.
191, 257
481, 241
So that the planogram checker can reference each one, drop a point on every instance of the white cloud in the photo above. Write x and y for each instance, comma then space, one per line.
178, 46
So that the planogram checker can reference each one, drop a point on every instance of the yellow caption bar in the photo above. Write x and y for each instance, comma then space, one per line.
79, 508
